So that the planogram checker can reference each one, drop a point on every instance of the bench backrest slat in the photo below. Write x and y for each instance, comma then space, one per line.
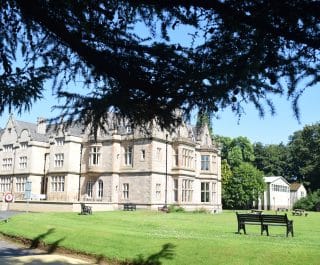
267, 218
249, 217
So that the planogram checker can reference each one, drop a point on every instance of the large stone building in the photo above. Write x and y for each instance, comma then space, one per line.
69, 165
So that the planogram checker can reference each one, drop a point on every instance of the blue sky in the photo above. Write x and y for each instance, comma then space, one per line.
269, 130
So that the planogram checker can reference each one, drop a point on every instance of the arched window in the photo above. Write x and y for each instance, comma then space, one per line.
100, 189
89, 188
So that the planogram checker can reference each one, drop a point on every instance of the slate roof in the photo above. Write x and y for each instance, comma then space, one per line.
295, 186
274, 178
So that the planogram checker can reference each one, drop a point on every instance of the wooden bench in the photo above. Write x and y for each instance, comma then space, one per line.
277, 220
264, 220
85, 209
129, 207
163, 209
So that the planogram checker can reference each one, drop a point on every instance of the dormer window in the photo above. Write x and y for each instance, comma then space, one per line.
128, 129
23, 145
60, 141
8, 147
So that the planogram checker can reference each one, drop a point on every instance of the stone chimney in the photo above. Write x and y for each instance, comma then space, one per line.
41, 125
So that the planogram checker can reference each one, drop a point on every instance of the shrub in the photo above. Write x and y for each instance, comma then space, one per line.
174, 208
309, 203
201, 210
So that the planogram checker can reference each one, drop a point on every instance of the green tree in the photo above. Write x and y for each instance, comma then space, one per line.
240, 51
272, 159
304, 150
244, 187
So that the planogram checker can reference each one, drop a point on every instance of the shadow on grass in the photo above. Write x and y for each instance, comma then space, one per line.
38, 242
165, 253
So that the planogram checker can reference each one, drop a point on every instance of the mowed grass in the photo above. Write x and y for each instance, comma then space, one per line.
197, 238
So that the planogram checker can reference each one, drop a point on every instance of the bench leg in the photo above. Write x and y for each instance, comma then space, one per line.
243, 227
290, 229
264, 228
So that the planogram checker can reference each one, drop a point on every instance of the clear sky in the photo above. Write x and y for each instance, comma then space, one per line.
269, 130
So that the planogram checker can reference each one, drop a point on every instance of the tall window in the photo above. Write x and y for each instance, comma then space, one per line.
89, 188
22, 162
95, 155
57, 183
128, 156
7, 163
58, 160
5, 184
60, 141
125, 190
23, 145
205, 193
187, 158
205, 160
176, 157
187, 190
175, 190
158, 191
143, 155
100, 189
21, 184
214, 192
8, 148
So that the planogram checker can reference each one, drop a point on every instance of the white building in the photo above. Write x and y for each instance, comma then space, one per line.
68, 165
276, 194
297, 191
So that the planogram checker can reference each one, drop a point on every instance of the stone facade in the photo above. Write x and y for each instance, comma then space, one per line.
148, 167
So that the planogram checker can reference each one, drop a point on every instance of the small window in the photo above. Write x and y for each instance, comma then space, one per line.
21, 184
24, 145
22, 162
158, 191
175, 190
89, 188
128, 156
8, 148
125, 191
100, 189
95, 155
7, 163
5, 184
60, 141
57, 183
205, 192
128, 129
205, 160
58, 160
143, 155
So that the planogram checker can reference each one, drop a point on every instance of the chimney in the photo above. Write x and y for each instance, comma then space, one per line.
41, 125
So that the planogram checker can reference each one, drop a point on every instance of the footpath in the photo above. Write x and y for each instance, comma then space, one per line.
12, 253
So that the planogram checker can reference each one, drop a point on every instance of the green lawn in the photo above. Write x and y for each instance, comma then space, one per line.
196, 238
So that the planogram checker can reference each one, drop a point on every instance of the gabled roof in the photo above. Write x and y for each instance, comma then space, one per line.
32, 128
295, 186
272, 179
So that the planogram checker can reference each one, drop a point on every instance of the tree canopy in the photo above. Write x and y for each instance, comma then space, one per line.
241, 51
304, 149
